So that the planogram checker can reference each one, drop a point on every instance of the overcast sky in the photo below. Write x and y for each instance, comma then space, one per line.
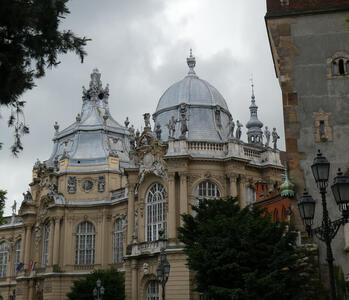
140, 47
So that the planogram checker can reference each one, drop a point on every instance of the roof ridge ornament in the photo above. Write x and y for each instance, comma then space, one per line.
191, 61
95, 91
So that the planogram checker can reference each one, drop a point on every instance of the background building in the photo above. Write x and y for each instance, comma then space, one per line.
309, 42
107, 189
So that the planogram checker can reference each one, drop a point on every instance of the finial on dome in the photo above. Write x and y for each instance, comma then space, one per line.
191, 63
252, 86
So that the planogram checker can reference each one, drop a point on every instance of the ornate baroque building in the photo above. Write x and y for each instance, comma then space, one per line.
106, 190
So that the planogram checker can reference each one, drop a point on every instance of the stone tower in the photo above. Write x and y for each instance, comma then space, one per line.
309, 42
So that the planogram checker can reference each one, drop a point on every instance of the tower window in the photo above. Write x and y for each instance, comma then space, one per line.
334, 68
341, 67
322, 128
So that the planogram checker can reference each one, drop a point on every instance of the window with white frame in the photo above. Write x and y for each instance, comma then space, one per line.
118, 242
153, 290
85, 244
45, 244
3, 259
250, 195
206, 190
155, 211
17, 257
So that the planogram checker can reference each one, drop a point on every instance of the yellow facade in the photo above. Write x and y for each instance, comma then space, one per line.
85, 214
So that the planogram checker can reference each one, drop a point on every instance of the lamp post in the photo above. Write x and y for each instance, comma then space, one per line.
163, 271
98, 291
328, 229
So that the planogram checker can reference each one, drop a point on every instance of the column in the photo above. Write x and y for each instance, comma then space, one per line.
171, 222
134, 281
23, 246
56, 241
183, 209
130, 214
233, 185
27, 246
50, 242
242, 198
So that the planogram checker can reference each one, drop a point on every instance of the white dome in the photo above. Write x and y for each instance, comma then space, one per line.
207, 112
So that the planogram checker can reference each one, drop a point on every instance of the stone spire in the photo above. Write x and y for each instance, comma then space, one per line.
254, 126
191, 63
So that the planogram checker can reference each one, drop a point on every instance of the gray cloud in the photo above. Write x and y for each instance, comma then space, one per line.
140, 46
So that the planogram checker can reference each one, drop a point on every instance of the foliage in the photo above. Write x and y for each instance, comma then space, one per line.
112, 280
241, 254
2, 205
30, 42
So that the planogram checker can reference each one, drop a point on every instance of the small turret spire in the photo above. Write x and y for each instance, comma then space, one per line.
191, 63
254, 126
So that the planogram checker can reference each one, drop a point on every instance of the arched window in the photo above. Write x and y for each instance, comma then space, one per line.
341, 67
3, 259
153, 290
155, 211
85, 244
334, 68
45, 241
207, 189
118, 242
17, 256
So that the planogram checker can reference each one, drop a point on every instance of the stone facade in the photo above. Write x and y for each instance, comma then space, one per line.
308, 39
104, 193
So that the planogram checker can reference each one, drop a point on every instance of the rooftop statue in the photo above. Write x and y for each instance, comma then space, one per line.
171, 127
231, 127
238, 130
275, 138
267, 136
146, 120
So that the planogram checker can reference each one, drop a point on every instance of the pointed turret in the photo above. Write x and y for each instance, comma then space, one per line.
254, 126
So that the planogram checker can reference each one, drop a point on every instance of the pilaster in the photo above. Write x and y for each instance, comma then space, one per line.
171, 224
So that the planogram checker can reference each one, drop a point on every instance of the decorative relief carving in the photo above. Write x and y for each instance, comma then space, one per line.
71, 184
37, 234
101, 183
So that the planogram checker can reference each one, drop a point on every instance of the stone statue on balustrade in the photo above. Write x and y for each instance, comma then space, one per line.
231, 127
238, 130
158, 131
146, 120
267, 136
275, 138
184, 127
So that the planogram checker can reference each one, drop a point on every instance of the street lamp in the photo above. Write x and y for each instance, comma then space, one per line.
163, 271
328, 230
98, 291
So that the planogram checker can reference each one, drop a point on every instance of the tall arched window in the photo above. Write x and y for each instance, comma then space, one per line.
45, 241
153, 290
155, 211
118, 242
85, 244
17, 256
3, 259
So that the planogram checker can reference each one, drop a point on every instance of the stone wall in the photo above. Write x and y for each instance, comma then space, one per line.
303, 47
